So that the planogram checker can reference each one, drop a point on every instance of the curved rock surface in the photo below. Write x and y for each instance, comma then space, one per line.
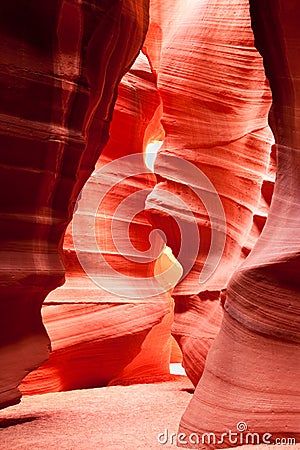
253, 369
218, 123
107, 326
200, 87
147, 95
61, 63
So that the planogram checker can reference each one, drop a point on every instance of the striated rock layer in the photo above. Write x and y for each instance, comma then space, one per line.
215, 102
253, 368
107, 326
61, 63
218, 127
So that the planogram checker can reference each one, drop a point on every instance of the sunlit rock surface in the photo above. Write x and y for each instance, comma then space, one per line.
61, 63
253, 369
109, 327
198, 95
215, 104
153, 107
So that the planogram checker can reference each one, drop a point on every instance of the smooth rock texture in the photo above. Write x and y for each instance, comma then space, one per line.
199, 87
120, 338
61, 63
146, 96
197, 323
253, 368
215, 103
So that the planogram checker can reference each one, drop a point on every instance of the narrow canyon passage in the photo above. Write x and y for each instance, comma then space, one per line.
149, 164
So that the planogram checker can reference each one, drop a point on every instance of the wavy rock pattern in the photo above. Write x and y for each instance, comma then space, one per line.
61, 63
121, 339
253, 370
219, 124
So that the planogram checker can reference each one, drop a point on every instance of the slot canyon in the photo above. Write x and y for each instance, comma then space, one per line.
150, 224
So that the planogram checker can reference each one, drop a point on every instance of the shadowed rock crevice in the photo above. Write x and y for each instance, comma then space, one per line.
61, 65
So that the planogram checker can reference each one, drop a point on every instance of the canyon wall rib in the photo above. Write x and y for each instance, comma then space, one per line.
61, 63
252, 372
215, 102
124, 339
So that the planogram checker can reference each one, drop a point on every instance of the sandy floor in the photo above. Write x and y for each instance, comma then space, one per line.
112, 418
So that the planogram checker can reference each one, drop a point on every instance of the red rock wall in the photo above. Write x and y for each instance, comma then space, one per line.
203, 91
215, 103
152, 105
148, 94
252, 372
61, 65
121, 338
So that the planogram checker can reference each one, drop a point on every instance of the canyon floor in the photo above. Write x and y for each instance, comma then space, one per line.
109, 418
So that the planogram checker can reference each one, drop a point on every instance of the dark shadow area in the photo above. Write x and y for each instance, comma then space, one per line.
188, 390
6, 423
